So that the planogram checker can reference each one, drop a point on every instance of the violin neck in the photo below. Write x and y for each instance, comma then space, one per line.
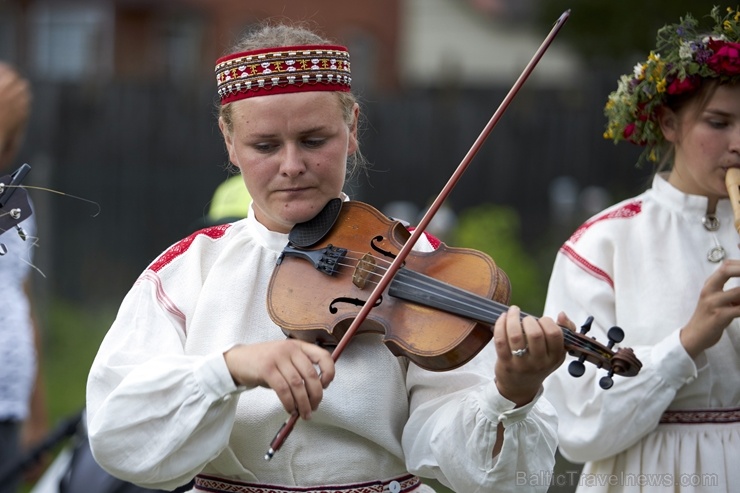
415, 287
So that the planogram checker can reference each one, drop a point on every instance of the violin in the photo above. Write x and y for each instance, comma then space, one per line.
437, 311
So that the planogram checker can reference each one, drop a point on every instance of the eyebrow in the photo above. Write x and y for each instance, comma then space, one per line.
307, 131
718, 112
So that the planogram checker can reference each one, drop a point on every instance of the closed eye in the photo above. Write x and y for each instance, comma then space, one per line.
718, 123
314, 143
264, 147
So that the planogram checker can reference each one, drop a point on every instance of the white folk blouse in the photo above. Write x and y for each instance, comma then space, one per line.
162, 406
640, 265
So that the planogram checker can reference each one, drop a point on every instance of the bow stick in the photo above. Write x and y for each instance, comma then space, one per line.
287, 427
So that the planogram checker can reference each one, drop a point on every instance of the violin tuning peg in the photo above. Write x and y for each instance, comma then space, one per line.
587, 325
576, 368
615, 335
606, 382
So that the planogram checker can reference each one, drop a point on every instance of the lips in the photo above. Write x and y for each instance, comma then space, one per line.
294, 190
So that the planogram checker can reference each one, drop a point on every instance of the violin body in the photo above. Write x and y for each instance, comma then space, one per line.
312, 305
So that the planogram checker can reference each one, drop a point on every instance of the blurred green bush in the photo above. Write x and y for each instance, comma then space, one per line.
495, 230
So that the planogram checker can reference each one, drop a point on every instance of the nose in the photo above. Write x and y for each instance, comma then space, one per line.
293, 163
735, 140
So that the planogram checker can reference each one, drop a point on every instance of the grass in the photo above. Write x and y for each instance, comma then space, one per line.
70, 339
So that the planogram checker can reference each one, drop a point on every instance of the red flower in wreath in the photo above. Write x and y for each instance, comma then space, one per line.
680, 86
726, 57
628, 131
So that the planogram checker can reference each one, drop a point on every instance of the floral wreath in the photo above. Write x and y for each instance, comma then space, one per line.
682, 58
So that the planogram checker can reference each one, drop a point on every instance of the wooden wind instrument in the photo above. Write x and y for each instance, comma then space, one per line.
732, 182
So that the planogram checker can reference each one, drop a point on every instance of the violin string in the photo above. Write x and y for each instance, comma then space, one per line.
494, 307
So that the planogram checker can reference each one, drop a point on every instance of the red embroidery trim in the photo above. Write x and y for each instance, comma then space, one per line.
586, 265
408, 484
283, 70
630, 209
213, 232
162, 297
699, 416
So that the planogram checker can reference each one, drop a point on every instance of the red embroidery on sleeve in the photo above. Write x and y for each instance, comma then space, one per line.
630, 209
586, 265
213, 232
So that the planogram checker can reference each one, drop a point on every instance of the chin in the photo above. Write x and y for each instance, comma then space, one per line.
305, 210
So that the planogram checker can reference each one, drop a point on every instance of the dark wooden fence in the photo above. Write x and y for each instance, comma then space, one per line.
145, 159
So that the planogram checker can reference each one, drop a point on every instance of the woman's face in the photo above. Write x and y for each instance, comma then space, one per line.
292, 152
706, 144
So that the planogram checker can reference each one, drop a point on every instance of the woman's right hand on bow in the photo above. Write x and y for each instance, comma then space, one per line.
289, 367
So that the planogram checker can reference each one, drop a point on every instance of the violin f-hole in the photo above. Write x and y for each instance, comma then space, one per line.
374, 246
352, 301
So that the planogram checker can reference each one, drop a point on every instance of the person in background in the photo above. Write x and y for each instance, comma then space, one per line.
663, 266
23, 414
194, 379
230, 201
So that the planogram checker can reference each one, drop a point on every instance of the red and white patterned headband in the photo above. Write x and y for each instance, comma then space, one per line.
282, 70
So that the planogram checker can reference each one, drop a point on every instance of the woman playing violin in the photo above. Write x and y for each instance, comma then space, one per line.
194, 378
664, 266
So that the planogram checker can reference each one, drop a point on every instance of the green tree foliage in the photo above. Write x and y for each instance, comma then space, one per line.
604, 30
495, 230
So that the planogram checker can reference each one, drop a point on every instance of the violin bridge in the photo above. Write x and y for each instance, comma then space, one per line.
365, 267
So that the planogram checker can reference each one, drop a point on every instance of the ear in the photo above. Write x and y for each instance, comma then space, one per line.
353, 145
668, 121
229, 141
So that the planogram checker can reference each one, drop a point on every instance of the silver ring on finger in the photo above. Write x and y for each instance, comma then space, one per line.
520, 352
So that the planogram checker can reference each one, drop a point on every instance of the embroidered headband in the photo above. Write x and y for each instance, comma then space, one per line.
282, 70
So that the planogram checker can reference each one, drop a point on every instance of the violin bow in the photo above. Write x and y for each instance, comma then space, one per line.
387, 277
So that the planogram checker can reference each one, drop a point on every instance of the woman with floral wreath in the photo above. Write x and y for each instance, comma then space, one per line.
665, 267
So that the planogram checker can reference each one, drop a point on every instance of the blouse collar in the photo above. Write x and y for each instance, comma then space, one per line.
683, 202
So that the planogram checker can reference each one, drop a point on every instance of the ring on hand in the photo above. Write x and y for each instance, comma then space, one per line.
520, 352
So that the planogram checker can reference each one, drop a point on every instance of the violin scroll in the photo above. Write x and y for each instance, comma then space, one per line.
623, 362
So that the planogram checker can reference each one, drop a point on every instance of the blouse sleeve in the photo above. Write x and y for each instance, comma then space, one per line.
595, 423
452, 430
145, 394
